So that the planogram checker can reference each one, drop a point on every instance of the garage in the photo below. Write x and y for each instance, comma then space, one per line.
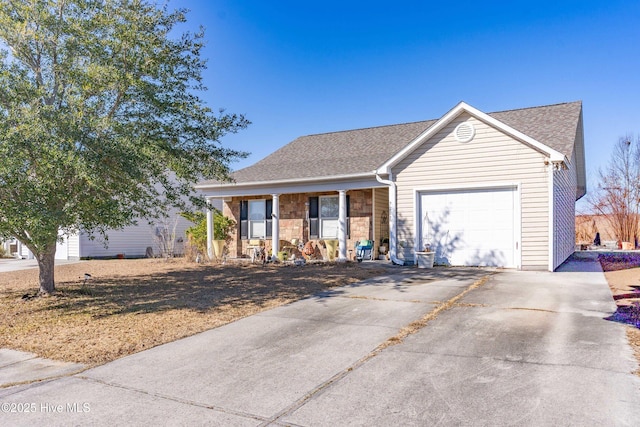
471, 227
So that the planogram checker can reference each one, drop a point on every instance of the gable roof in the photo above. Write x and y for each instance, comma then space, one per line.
362, 151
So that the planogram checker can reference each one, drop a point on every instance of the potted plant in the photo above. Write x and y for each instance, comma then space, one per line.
426, 258
383, 248
222, 227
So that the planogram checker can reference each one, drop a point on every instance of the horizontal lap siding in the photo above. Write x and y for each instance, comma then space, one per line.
491, 157
74, 246
132, 241
380, 203
564, 182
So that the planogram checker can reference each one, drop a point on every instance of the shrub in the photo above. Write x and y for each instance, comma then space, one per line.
197, 233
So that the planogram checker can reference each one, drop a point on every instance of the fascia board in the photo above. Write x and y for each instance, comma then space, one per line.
553, 155
284, 181
240, 190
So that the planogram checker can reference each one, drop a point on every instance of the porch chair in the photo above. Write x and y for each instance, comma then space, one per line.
254, 248
364, 249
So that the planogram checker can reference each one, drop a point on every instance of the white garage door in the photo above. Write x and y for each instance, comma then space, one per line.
470, 227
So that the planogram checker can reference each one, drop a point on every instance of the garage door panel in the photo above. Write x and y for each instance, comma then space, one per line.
470, 227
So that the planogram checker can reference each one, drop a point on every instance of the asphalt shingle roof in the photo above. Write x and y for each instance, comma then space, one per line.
363, 150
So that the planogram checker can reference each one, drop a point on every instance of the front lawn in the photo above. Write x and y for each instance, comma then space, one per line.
132, 305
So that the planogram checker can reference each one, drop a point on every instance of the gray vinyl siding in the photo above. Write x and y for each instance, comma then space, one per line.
564, 227
492, 157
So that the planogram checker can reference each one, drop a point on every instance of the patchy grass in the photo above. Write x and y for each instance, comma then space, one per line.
132, 305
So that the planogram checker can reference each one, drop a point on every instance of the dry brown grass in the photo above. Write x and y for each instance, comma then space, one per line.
133, 305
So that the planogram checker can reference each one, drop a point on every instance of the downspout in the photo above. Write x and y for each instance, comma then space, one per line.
392, 218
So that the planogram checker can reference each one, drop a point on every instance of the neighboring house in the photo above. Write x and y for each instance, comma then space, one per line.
15, 248
131, 242
495, 189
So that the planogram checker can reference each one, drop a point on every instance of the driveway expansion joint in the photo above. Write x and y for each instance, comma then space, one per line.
18, 361
332, 322
37, 381
368, 298
174, 399
515, 361
409, 329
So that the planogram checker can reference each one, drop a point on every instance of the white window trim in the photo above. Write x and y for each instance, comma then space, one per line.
250, 222
321, 218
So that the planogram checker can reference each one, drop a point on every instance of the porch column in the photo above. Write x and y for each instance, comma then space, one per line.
275, 227
209, 230
342, 225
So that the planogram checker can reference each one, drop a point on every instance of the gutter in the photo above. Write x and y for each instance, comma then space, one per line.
204, 186
393, 242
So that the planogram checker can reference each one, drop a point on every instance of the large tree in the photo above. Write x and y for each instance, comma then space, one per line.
101, 121
617, 196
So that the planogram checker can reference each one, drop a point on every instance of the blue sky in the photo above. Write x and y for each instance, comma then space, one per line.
303, 67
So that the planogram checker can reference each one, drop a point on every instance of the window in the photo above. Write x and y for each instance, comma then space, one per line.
255, 219
329, 212
323, 217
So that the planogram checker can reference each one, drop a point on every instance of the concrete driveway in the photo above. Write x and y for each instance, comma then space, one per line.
513, 348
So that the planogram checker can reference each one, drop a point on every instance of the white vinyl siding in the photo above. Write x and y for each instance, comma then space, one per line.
491, 157
74, 246
131, 241
380, 205
564, 191
69, 248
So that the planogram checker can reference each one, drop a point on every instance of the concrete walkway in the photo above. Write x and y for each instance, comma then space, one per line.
21, 367
519, 348
12, 264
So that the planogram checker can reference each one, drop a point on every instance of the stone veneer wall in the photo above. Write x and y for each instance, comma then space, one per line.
293, 224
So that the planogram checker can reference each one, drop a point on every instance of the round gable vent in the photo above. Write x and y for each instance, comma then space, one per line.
464, 132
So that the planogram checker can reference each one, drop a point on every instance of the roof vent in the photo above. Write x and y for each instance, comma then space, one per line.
464, 132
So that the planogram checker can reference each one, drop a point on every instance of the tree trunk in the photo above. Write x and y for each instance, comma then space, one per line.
46, 263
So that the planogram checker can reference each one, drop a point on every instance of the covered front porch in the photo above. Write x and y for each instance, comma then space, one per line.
307, 224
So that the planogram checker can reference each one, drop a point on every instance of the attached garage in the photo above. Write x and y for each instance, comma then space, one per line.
475, 226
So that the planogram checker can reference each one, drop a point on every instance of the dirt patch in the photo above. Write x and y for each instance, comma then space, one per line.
132, 305
622, 272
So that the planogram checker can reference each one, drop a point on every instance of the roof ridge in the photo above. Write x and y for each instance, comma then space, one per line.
368, 127
433, 120
538, 106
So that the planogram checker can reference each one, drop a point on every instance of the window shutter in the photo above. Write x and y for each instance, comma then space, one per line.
244, 216
314, 229
348, 220
268, 211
